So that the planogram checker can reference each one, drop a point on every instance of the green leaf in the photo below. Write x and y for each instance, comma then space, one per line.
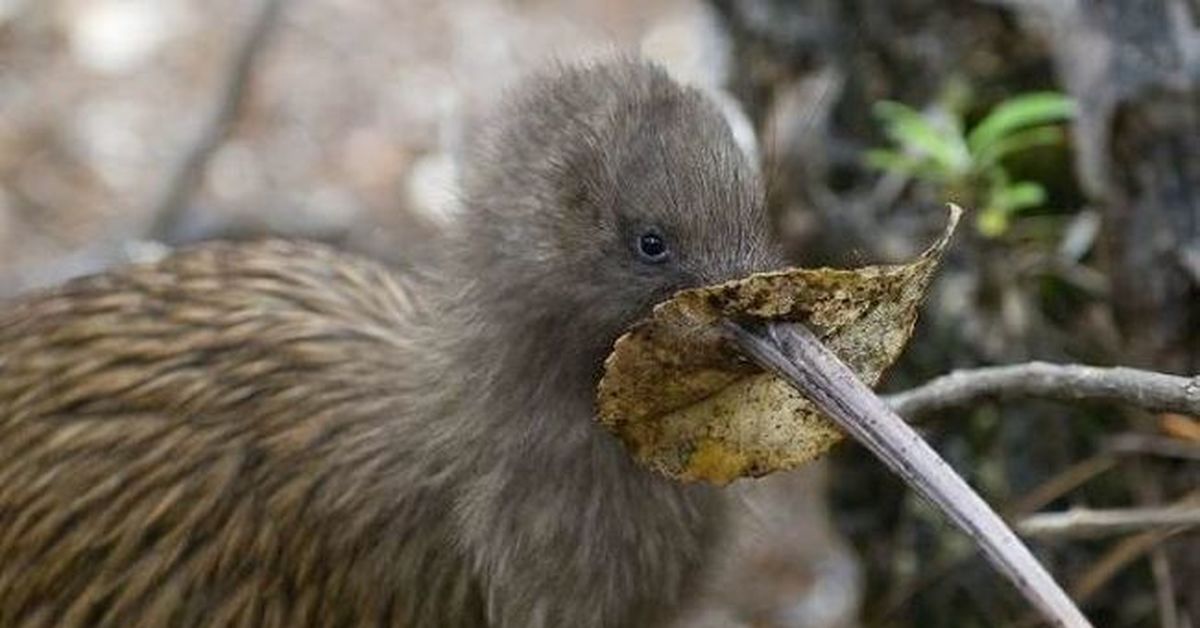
912, 131
913, 165
1018, 196
1032, 109
1017, 142
991, 222
888, 159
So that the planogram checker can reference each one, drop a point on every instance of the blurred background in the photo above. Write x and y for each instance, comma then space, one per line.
1069, 129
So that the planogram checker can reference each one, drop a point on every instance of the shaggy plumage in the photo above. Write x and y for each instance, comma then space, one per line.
278, 434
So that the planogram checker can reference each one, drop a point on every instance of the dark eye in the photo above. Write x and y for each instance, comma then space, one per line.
652, 247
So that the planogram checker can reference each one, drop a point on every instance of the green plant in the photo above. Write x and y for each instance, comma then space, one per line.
969, 164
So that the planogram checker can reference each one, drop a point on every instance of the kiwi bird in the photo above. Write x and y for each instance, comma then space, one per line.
279, 434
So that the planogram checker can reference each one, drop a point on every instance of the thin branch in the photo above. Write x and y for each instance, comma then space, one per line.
794, 354
1117, 559
1067, 382
1164, 588
1082, 522
1121, 555
1112, 563
1149, 490
1060, 484
171, 206
1150, 445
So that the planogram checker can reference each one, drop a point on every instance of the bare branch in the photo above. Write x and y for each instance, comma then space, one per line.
1146, 444
1111, 563
1164, 588
168, 211
1060, 484
1080, 522
1118, 558
794, 354
1066, 382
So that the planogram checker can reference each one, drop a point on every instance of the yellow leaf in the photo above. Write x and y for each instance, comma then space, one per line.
688, 404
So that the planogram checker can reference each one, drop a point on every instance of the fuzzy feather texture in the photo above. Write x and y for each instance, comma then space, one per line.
278, 434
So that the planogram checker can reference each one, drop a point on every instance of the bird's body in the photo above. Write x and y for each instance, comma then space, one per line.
278, 434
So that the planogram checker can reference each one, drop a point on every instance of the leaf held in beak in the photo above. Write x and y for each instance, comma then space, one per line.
685, 401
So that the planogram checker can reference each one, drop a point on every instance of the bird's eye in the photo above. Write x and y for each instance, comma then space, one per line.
652, 247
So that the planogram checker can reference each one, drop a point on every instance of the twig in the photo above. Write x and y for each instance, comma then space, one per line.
1146, 444
1113, 562
170, 207
1068, 382
1082, 522
794, 354
1117, 559
1181, 427
1164, 588
1150, 491
1060, 484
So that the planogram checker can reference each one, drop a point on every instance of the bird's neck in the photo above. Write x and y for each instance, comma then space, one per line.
529, 398
557, 498
533, 372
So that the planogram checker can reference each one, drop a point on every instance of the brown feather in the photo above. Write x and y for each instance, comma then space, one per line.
278, 434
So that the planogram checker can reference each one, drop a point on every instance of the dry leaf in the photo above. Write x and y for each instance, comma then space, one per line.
1180, 426
689, 405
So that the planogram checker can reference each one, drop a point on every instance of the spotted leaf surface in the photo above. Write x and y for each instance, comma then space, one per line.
686, 402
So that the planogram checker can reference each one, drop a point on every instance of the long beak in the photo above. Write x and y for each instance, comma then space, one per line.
793, 353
